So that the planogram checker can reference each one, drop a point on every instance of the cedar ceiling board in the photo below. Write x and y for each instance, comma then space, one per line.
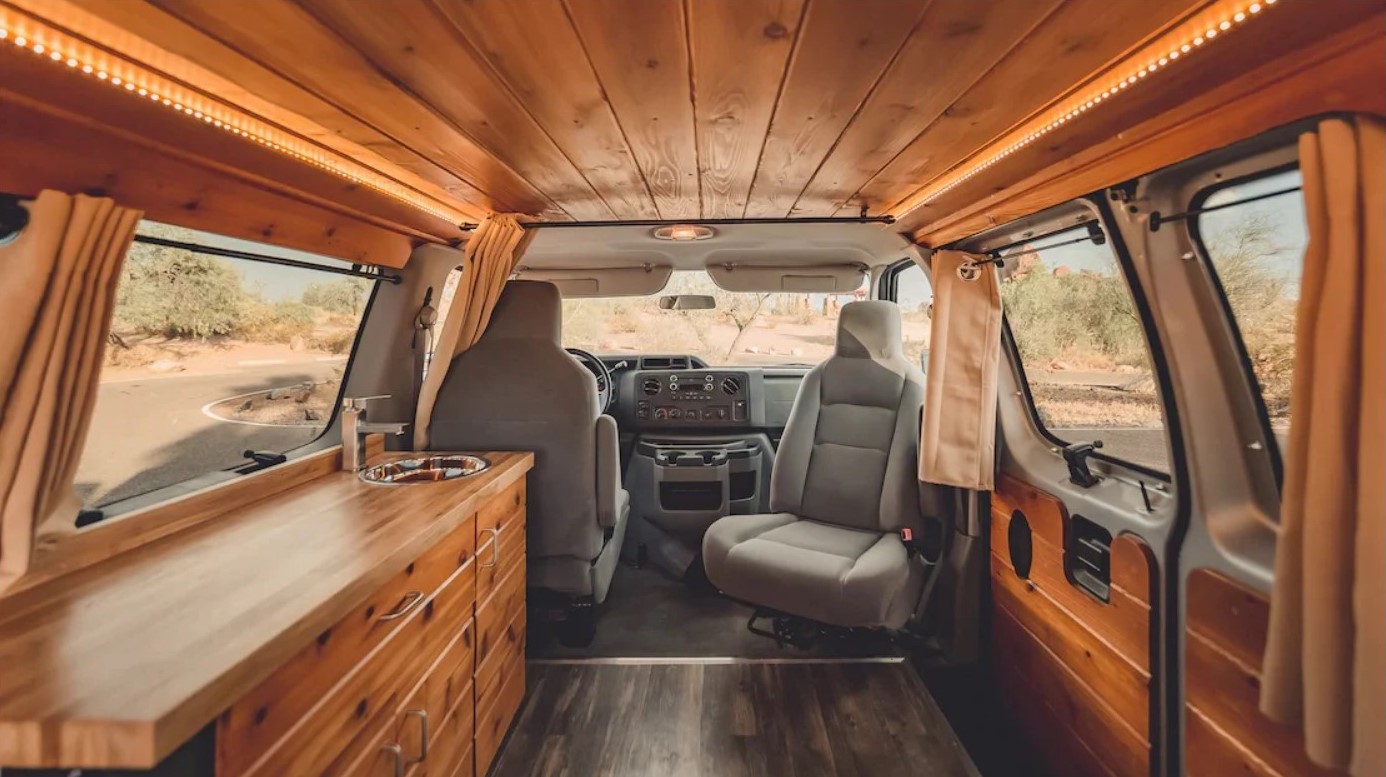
1167, 93
291, 43
142, 121
534, 49
43, 151
842, 51
415, 48
136, 18
1077, 40
1341, 74
740, 50
642, 66
956, 42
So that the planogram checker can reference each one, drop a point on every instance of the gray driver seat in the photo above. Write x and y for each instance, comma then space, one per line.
518, 389
845, 483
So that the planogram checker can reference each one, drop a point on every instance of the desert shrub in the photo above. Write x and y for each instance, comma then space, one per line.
276, 322
1082, 314
174, 293
337, 342
344, 295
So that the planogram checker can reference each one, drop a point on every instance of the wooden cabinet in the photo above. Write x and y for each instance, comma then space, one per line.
422, 679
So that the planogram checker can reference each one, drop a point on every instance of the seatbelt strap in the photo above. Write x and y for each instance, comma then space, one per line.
422, 345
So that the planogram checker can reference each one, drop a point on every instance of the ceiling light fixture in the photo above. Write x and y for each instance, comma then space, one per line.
63, 50
685, 232
1178, 43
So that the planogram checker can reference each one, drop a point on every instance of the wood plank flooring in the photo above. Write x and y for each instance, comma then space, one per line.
731, 720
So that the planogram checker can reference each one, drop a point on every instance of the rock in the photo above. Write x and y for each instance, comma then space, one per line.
246, 406
279, 393
309, 414
166, 365
297, 343
301, 396
796, 351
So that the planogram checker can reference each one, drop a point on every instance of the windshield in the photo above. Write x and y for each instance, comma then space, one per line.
746, 328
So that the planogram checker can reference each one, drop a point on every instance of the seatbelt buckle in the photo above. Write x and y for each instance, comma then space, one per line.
906, 535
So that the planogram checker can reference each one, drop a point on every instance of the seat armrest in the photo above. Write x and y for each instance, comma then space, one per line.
610, 495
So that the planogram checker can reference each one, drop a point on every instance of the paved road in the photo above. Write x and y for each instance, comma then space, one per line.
151, 433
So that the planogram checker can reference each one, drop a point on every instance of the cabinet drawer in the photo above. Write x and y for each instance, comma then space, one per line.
501, 509
452, 746
494, 614
251, 727
509, 643
496, 709
384, 682
499, 551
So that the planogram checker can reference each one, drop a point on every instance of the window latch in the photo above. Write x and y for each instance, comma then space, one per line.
260, 460
1076, 456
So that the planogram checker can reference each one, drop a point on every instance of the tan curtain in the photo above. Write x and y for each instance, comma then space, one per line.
1325, 663
57, 291
957, 446
487, 262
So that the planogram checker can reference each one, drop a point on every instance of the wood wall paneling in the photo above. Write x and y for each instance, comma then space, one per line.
1224, 645
956, 42
547, 68
1073, 670
843, 50
740, 52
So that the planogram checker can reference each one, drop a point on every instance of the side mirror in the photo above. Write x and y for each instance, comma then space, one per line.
687, 302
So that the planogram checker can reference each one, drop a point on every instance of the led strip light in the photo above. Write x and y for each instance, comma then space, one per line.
1178, 44
121, 74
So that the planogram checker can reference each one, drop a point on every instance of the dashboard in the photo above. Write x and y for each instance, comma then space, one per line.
681, 393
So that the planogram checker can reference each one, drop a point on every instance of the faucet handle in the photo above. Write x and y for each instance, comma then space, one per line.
359, 403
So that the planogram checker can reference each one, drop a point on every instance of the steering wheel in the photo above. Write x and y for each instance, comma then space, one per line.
599, 370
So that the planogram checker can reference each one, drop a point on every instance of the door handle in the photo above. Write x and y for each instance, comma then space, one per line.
495, 547
422, 715
404, 607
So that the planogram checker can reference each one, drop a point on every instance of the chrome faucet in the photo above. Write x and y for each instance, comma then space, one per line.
355, 428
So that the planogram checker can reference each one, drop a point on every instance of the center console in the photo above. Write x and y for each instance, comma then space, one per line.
692, 398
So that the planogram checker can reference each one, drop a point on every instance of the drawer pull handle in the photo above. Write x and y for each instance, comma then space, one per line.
422, 715
398, 753
495, 547
404, 607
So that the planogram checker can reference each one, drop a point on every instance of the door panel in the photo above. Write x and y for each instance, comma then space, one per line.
1071, 667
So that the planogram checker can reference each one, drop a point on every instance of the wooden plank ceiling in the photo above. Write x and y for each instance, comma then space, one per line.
644, 109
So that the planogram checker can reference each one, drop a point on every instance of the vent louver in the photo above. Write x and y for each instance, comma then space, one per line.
731, 386
650, 386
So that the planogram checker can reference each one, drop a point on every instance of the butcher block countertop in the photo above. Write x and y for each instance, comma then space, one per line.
121, 662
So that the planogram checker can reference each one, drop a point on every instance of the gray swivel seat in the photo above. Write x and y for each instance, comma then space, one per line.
517, 389
845, 482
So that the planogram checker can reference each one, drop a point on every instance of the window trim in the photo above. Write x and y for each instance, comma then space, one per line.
1195, 236
1147, 331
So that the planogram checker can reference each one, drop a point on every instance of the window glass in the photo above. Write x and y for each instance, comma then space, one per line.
1257, 252
915, 296
1082, 347
209, 357
743, 329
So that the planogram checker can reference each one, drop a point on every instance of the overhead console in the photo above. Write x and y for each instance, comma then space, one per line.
693, 398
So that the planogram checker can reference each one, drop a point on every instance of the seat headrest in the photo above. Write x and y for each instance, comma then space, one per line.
528, 310
869, 330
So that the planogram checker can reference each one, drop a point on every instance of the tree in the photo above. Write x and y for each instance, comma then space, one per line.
345, 295
175, 293
742, 310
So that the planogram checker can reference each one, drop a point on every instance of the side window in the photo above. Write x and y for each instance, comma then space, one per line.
1253, 234
915, 296
209, 357
1083, 349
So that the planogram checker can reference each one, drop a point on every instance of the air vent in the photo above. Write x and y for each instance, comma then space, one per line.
664, 363
650, 386
731, 385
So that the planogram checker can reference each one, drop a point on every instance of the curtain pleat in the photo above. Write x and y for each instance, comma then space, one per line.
58, 291
957, 445
487, 263
1325, 662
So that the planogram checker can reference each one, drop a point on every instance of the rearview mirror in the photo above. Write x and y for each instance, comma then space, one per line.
687, 302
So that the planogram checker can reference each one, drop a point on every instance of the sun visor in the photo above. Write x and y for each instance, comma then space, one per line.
819, 278
600, 281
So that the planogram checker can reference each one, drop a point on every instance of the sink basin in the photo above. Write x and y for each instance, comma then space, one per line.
425, 469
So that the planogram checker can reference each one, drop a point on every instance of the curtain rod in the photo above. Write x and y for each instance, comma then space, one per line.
1156, 219
1095, 234
703, 222
354, 271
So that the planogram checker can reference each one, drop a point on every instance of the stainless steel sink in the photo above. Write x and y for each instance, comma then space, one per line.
425, 469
